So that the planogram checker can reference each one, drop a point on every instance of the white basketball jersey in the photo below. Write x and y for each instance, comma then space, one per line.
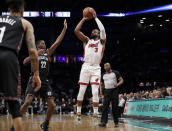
93, 52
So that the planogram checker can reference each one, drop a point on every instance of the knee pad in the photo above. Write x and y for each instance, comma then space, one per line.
81, 92
14, 109
95, 93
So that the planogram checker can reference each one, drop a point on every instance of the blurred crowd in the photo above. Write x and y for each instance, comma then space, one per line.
152, 94
66, 105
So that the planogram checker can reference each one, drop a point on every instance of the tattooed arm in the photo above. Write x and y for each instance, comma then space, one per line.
58, 40
33, 54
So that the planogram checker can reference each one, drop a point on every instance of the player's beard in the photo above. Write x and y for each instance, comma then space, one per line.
93, 36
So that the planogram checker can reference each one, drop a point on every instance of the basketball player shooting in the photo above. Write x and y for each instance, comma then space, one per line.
93, 53
45, 92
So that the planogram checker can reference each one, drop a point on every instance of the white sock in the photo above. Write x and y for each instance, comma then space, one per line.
78, 109
95, 110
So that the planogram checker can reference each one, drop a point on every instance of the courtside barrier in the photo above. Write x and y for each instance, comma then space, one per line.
152, 108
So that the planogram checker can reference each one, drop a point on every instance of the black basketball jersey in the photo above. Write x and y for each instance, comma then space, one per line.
11, 32
43, 65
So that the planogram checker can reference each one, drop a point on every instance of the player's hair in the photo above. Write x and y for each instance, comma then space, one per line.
15, 5
97, 29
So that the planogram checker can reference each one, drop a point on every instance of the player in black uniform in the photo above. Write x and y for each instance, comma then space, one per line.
12, 28
45, 91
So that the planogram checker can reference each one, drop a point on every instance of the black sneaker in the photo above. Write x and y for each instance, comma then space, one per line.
44, 126
12, 128
102, 124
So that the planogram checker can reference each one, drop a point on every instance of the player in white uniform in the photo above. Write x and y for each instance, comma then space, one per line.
91, 70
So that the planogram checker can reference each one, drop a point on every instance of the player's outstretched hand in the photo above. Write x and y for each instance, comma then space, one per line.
65, 24
94, 13
36, 82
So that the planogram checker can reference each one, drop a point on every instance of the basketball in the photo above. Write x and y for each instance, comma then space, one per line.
88, 12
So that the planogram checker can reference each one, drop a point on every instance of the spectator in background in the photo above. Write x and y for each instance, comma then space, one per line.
41, 109
154, 94
130, 97
74, 104
58, 105
158, 94
121, 105
138, 96
45, 104
169, 92
151, 95
125, 96
64, 106
70, 107
73, 101
135, 96
58, 102
90, 105
146, 95
164, 92
36, 105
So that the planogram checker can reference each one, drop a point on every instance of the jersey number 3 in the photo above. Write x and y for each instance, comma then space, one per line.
43, 64
2, 29
96, 49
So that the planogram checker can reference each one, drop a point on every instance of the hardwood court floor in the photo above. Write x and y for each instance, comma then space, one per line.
65, 123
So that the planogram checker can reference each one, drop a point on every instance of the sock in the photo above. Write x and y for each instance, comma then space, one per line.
78, 109
95, 110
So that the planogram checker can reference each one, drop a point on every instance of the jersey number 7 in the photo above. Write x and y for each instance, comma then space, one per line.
2, 29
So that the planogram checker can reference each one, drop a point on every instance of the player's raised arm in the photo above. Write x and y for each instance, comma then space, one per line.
58, 40
101, 28
78, 32
33, 54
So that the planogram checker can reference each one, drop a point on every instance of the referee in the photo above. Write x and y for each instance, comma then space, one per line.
109, 85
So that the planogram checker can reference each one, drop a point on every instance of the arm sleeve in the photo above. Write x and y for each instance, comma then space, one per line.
101, 28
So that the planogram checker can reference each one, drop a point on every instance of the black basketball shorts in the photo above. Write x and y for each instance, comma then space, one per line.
44, 92
9, 68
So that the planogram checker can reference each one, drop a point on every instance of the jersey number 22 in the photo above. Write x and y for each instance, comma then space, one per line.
43, 64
